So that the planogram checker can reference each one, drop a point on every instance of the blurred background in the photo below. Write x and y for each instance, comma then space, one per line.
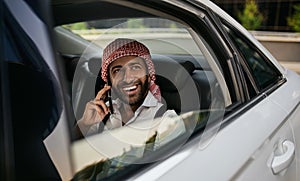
275, 23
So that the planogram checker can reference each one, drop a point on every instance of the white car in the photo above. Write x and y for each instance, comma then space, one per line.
239, 106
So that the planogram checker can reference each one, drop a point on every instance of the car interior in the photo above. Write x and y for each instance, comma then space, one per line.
175, 79
177, 75
187, 81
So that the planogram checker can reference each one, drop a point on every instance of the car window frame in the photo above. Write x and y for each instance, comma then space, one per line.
240, 62
245, 66
248, 102
245, 103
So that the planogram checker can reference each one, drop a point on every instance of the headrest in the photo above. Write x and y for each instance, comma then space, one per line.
171, 75
95, 66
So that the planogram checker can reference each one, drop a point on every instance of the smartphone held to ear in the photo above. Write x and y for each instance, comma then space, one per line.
111, 109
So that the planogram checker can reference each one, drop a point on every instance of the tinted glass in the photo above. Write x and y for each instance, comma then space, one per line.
264, 73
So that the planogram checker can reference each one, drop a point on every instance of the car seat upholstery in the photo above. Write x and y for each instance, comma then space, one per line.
177, 86
84, 82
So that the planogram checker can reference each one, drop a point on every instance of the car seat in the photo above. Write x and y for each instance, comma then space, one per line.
178, 88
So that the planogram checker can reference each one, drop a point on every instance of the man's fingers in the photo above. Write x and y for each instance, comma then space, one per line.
101, 111
102, 105
102, 93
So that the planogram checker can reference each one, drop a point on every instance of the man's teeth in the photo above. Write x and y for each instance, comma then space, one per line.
129, 88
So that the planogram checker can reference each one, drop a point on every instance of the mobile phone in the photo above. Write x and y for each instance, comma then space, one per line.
111, 109
109, 97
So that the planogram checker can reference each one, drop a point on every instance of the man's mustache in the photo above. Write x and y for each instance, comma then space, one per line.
126, 84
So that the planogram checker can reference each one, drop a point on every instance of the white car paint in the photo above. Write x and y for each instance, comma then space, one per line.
231, 157
241, 151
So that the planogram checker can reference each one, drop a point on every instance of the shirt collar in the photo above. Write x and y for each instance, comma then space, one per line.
150, 100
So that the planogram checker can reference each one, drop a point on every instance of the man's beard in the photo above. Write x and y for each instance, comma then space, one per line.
132, 100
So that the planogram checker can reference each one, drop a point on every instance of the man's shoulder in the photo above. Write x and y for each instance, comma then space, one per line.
161, 111
164, 112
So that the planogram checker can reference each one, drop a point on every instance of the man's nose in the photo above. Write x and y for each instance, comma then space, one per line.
128, 76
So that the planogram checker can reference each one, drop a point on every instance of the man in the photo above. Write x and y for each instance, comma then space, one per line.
129, 71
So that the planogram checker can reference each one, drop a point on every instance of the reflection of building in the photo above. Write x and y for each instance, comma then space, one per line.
275, 12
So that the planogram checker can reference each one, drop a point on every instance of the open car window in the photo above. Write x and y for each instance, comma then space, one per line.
188, 72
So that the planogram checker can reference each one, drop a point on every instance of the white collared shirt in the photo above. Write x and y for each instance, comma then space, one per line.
145, 112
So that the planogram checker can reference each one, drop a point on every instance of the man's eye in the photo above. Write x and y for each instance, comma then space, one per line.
116, 71
136, 67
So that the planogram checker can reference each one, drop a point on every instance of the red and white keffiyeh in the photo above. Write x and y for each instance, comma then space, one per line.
128, 47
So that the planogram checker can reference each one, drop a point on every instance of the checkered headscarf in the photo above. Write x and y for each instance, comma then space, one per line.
128, 47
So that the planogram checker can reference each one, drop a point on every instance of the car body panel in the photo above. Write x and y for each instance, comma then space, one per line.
233, 154
291, 92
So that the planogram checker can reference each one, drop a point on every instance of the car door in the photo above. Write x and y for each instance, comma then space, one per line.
275, 158
255, 141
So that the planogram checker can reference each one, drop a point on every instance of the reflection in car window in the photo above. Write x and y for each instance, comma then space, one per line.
263, 71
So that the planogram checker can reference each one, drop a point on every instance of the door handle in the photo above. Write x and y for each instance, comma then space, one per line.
283, 161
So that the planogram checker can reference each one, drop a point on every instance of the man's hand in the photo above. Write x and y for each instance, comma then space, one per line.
95, 111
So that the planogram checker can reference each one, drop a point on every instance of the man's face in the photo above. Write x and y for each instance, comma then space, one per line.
130, 80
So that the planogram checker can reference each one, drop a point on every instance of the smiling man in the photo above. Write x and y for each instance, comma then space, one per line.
129, 72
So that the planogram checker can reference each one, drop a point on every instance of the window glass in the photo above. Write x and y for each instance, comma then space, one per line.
168, 34
264, 73
189, 86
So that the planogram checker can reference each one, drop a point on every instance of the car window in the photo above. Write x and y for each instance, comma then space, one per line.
168, 34
262, 70
188, 72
